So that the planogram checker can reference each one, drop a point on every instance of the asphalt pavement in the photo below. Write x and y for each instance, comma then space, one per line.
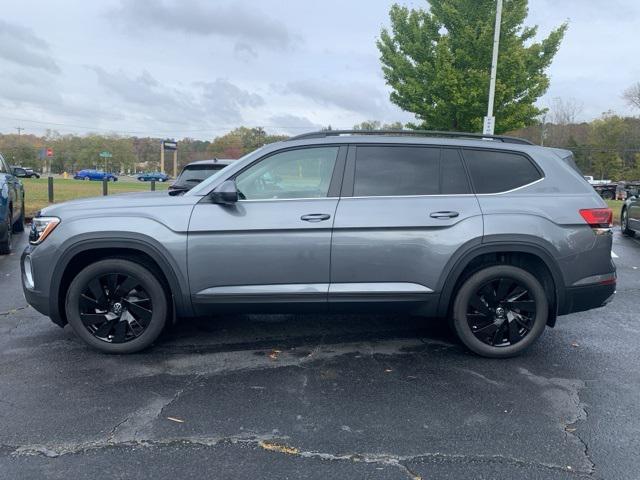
311, 396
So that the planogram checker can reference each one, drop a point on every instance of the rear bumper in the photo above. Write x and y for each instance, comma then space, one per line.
587, 297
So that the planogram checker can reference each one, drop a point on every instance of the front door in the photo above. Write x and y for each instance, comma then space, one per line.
404, 212
273, 245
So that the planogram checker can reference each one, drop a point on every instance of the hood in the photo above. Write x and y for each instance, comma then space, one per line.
130, 202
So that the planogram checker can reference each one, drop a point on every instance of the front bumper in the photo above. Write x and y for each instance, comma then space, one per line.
587, 297
38, 299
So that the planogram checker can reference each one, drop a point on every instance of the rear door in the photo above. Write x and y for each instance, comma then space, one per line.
404, 212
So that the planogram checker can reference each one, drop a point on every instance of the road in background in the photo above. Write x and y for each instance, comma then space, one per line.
322, 397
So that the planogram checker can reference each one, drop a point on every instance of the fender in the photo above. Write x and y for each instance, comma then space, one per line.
130, 241
464, 256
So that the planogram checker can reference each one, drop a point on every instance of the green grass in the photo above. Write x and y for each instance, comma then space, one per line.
616, 206
36, 190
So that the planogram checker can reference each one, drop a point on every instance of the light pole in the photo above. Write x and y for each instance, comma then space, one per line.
489, 120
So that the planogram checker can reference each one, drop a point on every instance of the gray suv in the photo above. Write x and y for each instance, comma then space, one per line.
496, 234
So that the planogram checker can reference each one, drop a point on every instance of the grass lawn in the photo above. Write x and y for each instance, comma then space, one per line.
616, 206
36, 190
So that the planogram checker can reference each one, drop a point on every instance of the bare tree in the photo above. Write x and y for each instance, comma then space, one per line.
632, 95
565, 111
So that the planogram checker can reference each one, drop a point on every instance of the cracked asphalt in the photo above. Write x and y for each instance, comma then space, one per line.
306, 397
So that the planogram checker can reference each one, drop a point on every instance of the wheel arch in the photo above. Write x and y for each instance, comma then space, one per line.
506, 252
87, 251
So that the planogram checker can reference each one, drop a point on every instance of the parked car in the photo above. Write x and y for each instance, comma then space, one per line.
95, 175
195, 172
157, 176
11, 206
493, 232
630, 213
24, 172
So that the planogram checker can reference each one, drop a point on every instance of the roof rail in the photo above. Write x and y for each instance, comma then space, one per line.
416, 133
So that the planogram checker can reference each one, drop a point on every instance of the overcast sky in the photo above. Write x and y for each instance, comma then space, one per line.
198, 68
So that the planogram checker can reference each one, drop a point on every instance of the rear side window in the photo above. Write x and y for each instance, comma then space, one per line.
494, 172
396, 171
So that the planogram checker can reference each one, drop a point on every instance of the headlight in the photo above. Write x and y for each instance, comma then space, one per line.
41, 228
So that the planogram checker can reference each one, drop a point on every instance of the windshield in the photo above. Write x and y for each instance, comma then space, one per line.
194, 174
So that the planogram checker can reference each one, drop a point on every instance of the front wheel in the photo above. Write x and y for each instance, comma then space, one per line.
608, 195
624, 224
18, 225
500, 311
86, 178
117, 306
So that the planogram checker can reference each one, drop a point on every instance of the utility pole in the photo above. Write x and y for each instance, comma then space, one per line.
489, 120
19, 129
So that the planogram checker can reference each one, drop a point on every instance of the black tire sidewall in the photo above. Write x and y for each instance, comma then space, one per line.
147, 280
471, 285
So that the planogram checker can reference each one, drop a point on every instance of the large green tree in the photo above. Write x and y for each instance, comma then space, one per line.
438, 62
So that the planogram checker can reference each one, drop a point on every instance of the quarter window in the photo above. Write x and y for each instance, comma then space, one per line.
397, 171
494, 172
302, 173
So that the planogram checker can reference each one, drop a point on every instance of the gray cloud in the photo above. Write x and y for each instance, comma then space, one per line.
224, 100
21, 46
194, 17
291, 124
355, 97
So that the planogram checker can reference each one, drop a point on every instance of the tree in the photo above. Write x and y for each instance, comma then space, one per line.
370, 125
608, 137
632, 95
438, 62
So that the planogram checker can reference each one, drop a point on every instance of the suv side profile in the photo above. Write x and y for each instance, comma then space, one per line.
496, 234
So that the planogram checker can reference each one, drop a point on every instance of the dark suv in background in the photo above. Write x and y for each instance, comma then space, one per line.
195, 172
494, 233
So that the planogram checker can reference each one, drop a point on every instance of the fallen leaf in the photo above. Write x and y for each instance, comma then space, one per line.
575, 344
276, 447
274, 354
387, 370
570, 429
174, 419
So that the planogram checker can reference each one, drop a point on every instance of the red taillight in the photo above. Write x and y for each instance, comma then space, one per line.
598, 217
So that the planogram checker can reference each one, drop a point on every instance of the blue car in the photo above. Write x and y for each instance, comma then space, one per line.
95, 175
157, 176
11, 206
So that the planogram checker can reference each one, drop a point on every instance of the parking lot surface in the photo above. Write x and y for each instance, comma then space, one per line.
322, 397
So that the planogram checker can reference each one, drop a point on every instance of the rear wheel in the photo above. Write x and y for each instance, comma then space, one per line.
117, 306
18, 226
608, 195
624, 224
500, 311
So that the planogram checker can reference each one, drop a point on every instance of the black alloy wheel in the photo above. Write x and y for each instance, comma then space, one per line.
117, 305
500, 311
115, 308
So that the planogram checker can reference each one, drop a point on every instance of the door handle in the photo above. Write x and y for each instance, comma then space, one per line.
444, 215
315, 217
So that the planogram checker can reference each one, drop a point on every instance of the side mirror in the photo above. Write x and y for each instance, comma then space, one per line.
225, 193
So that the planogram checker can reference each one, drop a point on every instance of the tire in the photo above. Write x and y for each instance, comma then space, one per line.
624, 224
494, 320
5, 244
96, 290
608, 195
86, 178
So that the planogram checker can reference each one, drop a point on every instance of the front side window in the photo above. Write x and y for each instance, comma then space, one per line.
302, 173
494, 172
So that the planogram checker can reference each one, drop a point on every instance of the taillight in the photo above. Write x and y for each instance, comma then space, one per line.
598, 217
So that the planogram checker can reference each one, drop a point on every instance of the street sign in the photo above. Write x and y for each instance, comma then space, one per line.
49, 152
106, 154
169, 145
489, 124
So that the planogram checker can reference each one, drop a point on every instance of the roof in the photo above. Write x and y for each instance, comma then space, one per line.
213, 161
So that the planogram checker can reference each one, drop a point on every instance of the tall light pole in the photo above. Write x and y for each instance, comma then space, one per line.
489, 120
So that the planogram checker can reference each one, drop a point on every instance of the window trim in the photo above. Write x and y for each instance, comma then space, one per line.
348, 186
334, 184
513, 152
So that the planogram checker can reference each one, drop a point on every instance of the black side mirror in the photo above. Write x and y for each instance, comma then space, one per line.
226, 193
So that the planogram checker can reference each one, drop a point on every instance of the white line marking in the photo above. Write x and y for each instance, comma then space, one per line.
613, 254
